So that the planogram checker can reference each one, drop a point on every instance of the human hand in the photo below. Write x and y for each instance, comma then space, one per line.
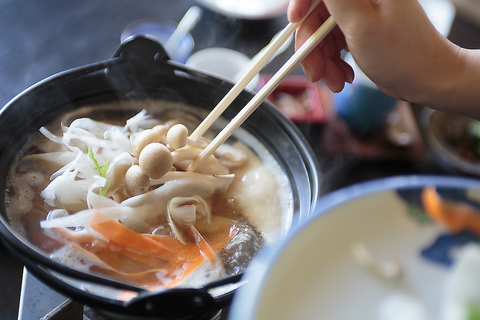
393, 42
324, 62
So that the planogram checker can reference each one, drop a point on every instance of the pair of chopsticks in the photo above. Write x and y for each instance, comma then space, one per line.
265, 91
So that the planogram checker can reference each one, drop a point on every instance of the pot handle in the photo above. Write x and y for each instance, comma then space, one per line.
144, 63
173, 303
183, 302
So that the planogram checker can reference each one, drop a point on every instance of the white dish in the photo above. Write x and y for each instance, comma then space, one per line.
223, 62
248, 9
314, 275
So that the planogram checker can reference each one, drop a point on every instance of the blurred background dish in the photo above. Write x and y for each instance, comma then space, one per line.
298, 98
371, 251
454, 140
223, 62
248, 9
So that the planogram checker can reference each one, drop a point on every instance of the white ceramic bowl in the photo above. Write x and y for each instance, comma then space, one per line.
314, 273
248, 9
224, 63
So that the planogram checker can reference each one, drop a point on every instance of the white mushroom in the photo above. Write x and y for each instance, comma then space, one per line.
117, 169
162, 132
177, 136
220, 181
183, 157
155, 160
184, 210
142, 139
230, 157
136, 182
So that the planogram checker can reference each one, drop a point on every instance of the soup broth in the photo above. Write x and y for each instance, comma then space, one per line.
81, 191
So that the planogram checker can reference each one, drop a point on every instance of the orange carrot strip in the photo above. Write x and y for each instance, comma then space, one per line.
455, 215
127, 238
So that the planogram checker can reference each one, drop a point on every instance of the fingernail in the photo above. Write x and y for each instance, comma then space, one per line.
350, 78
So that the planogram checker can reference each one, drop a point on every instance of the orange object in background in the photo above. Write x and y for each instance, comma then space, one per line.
456, 216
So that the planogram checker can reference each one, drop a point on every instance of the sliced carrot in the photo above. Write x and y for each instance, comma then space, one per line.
146, 260
179, 261
455, 215
129, 239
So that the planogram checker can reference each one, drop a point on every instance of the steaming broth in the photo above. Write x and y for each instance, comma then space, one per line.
206, 225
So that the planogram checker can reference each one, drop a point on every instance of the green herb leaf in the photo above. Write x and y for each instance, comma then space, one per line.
101, 169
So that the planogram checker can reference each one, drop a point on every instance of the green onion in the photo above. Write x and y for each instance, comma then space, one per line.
101, 169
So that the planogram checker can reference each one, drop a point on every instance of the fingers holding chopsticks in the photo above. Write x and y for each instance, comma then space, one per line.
324, 62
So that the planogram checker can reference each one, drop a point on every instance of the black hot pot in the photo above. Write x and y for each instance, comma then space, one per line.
141, 69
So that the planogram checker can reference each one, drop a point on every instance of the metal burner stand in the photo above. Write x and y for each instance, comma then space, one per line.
40, 302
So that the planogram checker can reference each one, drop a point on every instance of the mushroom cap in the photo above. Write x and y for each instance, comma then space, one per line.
142, 139
177, 136
155, 160
136, 181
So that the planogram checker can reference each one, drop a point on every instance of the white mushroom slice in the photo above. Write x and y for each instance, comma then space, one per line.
230, 157
118, 138
93, 127
66, 192
136, 212
189, 153
142, 139
140, 121
184, 210
95, 200
186, 187
76, 137
212, 168
201, 142
176, 232
221, 182
81, 218
50, 135
117, 170
183, 157
88, 170
177, 136
57, 213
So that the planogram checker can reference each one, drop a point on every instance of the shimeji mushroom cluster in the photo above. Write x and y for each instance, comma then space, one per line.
147, 174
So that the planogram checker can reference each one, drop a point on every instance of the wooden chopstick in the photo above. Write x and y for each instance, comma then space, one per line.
266, 90
262, 59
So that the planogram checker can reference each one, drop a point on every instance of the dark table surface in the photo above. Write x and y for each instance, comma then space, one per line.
41, 38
